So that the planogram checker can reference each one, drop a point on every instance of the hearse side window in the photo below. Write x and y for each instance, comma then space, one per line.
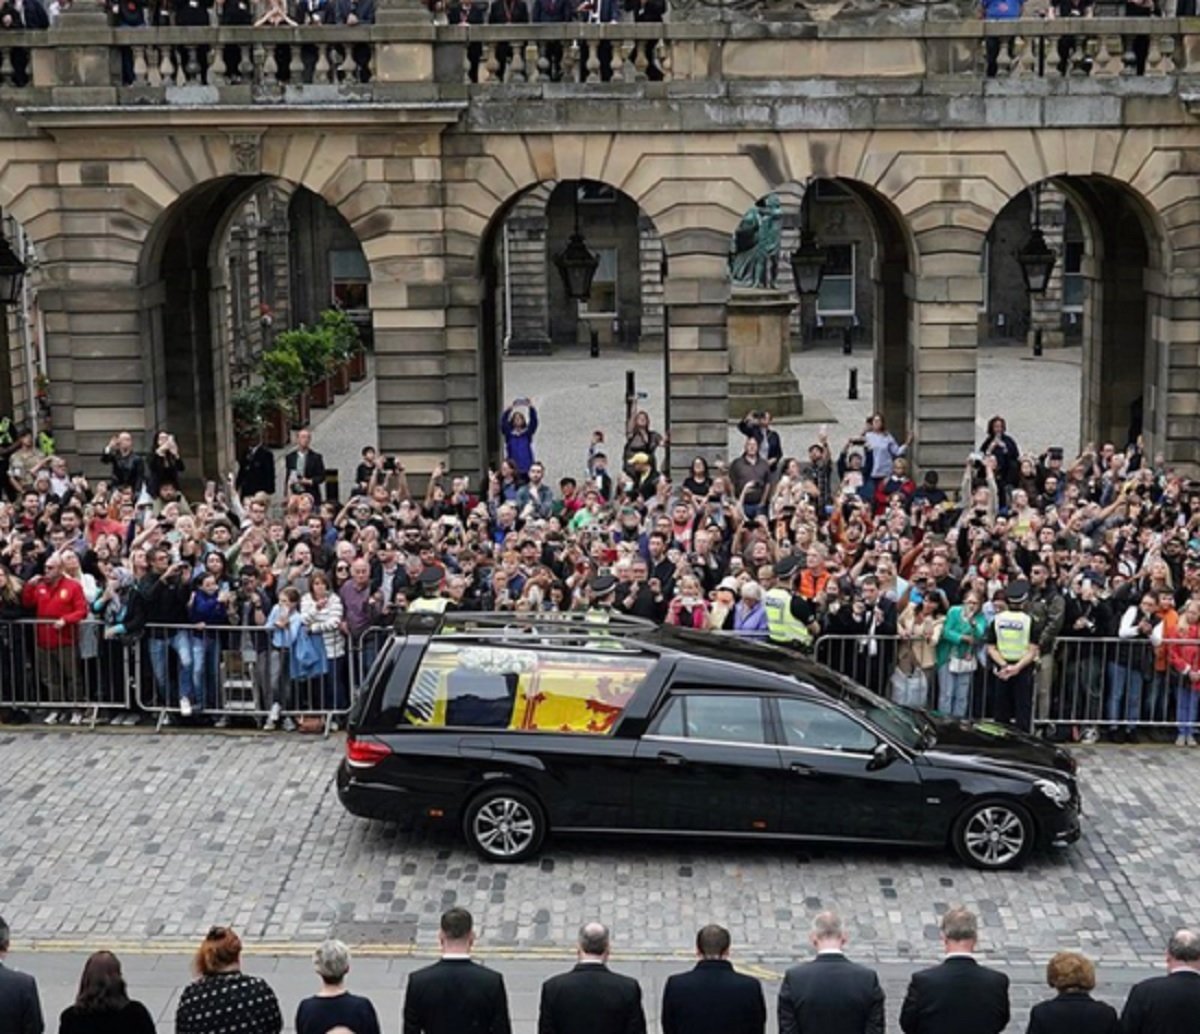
480, 686
730, 719
816, 727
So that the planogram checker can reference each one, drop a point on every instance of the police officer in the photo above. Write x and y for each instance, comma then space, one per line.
603, 592
1013, 654
431, 601
789, 614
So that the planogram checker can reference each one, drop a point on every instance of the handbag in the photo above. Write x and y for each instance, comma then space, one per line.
308, 659
962, 665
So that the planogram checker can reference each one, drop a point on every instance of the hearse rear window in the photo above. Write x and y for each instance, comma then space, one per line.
490, 687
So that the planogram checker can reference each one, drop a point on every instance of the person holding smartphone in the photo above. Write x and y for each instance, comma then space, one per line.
518, 431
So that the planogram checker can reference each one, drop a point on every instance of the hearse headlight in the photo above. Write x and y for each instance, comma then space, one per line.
1058, 792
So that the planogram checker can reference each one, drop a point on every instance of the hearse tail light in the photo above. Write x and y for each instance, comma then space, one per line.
365, 753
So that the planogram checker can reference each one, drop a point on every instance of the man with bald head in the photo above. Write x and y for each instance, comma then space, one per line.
591, 999
1170, 1004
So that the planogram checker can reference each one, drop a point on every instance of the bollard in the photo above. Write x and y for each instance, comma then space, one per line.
1037, 341
852, 393
847, 341
595, 346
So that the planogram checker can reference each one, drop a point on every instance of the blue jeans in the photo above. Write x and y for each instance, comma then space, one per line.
1187, 701
954, 691
179, 643
1124, 694
1157, 695
206, 661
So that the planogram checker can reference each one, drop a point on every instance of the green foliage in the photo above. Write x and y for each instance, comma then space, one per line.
313, 346
250, 406
283, 374
342, 332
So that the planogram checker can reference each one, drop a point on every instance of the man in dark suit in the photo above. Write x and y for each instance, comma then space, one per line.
467, 12
256, 471
712, 998
830, 995
304, 468
959, 996
591, 999
1170, 1004
456, 995
20, 1008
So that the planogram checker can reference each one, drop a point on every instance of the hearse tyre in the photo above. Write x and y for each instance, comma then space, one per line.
994, 835
505, 824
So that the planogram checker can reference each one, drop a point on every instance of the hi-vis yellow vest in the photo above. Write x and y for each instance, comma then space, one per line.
428, 605
1013, 632
782, 625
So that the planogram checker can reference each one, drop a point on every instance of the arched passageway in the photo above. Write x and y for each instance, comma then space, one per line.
230, 264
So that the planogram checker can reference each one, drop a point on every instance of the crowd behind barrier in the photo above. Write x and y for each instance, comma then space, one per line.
829, 993
1050, 592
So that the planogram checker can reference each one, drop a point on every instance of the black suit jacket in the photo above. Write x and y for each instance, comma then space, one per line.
713, 999
456, 996
314, 470
1073, 1012
1163, 1005
256, 472
958, 997
830, 995
20, 1008
591, 999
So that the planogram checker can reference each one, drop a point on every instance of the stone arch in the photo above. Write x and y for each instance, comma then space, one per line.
1126, 314
181, 280
485, 272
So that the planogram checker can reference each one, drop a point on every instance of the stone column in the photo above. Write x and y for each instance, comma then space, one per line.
1045, 310
760, 350
1171, 414
945, 331
695, 292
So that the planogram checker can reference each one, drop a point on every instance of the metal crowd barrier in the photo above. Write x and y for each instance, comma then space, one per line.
76, 675
1082, 686
72, 673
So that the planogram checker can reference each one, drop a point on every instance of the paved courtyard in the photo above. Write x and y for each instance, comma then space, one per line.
151, 838
576, 394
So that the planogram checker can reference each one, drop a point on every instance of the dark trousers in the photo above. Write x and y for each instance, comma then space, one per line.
1014, 698
992, 50
603, 55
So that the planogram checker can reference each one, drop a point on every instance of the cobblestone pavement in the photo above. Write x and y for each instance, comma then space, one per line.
577, 394
139, 838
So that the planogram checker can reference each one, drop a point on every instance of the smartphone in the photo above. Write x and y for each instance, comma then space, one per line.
521, 401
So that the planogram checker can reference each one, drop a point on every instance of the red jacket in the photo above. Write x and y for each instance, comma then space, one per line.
58, 601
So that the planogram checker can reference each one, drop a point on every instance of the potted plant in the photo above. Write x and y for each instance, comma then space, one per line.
285, 386
314, 348
343, 336
249, 406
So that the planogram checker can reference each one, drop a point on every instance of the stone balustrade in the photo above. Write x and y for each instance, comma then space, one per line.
374, 62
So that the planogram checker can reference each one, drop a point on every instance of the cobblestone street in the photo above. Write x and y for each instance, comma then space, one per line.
149, 839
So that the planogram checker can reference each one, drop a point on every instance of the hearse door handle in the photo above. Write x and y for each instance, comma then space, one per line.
668, 758
800, 768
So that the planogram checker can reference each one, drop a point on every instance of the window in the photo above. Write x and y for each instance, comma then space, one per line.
603, 301
350, 277
1073, 283
816, 727
589, 192
836, 297
730, 719
502, 687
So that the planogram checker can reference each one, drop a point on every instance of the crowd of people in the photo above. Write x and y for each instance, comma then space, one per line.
1056, 591
828, 995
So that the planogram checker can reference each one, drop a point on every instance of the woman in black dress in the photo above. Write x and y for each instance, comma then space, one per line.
223, 999
333, 1006
103, 1005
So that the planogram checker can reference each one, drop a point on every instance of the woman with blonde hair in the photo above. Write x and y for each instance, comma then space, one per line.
223, 999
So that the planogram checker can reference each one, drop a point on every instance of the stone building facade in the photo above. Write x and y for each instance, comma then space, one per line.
128, 190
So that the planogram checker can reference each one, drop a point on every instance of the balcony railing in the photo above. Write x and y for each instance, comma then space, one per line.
72, 65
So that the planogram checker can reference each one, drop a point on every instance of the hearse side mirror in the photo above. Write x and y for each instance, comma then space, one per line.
882, 756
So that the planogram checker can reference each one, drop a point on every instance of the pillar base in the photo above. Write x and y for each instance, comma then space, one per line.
1052, 337
759, 337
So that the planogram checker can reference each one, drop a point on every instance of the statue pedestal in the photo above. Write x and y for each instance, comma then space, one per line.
760, 349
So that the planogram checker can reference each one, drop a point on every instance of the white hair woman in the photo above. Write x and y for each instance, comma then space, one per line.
333, 1006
